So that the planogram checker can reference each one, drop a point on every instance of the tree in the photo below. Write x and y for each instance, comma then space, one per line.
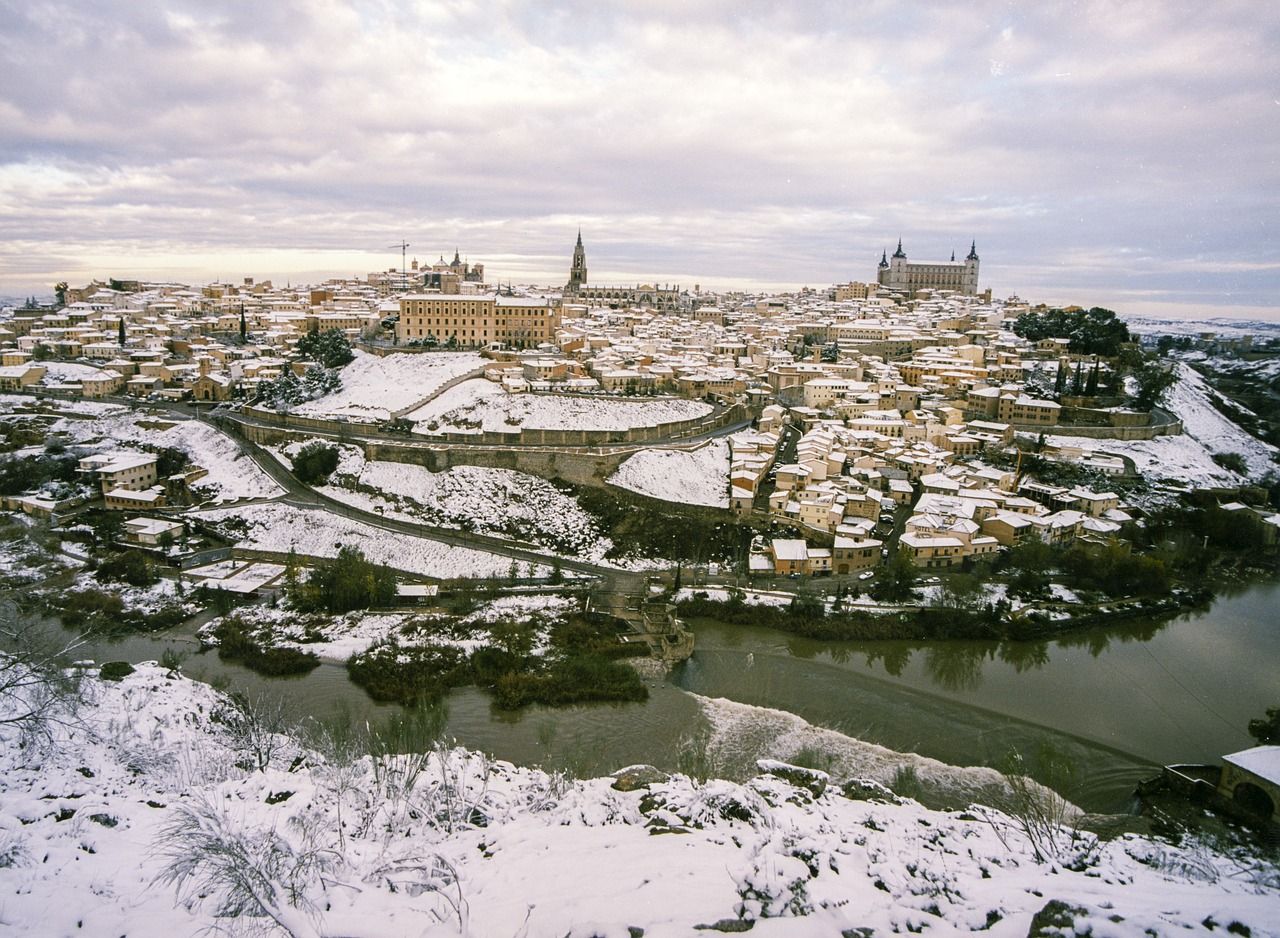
1267, 731
1060, 382
315, 462
1077, 381
896, 580
1154, 381
329, 348
349, 581
41, 352
60, 291
1091, 386
1096, 331
121, 331
244, 328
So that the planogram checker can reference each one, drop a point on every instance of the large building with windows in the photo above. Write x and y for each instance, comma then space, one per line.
456, 321
899, 275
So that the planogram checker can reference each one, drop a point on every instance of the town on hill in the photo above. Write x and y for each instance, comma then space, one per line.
439, 482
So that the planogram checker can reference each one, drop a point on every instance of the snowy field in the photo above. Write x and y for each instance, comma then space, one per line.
1188, 459
373, 388
498, 502
697, 478
484, 405
232, 475
138, 819
279, 527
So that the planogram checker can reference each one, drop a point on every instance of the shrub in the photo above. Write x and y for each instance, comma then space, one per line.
315, 462
115, 670
132, 567
236, 643
408, 675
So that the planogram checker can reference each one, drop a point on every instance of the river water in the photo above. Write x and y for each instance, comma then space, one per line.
1117, 701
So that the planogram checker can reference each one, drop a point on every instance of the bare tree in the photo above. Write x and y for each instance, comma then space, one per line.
38, 693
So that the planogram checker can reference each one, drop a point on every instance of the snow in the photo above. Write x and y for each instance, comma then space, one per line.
1188, 459
337, 638
483, 405
313, 533
499, 502
232, 475
376, 388
151, 771
700, 477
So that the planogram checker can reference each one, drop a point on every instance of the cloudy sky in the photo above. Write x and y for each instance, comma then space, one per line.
1119, 153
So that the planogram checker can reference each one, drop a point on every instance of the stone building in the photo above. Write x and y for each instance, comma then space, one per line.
902, 276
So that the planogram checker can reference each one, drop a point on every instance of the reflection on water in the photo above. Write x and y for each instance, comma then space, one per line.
1117, 701
1122, 699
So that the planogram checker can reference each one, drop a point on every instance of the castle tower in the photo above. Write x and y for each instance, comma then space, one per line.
970, 283
578, 269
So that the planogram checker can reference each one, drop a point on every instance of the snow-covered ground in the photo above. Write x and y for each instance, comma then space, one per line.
337, 638
700, 477
232, 475
1188, 459
135, 819
373, 388
280, 527
499, 502
484, 405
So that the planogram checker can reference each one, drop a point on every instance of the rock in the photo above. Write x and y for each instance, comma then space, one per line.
1056, 919
811, 780
864, 789
637, 778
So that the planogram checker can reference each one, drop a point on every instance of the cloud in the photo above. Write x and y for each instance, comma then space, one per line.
708, 139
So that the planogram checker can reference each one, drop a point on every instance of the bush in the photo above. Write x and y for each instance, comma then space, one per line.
330, 348
315, 462
115, 670
408, 675
236, 643
575, 680
132, 567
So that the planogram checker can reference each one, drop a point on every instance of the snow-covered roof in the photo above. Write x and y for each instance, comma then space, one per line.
1262, 761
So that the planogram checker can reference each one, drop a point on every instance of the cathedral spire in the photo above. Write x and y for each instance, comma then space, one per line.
973, 251
953, 255
900, 252
884, 257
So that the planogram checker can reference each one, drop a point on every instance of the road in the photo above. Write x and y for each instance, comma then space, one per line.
612, 580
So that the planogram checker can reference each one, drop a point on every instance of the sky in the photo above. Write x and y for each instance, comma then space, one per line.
1103, 153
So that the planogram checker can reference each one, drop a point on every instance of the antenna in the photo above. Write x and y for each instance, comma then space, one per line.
403, 246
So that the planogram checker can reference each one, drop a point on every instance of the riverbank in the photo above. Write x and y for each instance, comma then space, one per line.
152, 810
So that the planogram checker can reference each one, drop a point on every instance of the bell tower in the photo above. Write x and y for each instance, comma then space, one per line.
578, 269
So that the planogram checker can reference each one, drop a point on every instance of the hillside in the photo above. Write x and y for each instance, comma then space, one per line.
160, 806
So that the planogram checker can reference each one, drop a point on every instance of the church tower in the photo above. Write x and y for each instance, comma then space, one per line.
578, 270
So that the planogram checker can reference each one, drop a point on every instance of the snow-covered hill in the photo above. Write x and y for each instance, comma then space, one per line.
1188, 459
160, 806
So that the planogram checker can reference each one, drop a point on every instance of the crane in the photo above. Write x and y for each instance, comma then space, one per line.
403, 246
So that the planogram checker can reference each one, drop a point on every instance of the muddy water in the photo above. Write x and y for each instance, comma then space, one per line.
1116, 702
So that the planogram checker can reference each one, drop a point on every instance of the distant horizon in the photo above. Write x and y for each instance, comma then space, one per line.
533, 272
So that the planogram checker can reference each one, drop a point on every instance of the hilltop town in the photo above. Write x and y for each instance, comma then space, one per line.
439, 482
900, 417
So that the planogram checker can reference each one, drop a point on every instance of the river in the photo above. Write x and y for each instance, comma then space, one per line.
1116, 701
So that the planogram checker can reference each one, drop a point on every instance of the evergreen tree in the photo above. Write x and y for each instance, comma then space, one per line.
121, 332
244, 329
1077, 381
1060, 382
1091, 386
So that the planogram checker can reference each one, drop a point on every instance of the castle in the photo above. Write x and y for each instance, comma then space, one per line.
902, 276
